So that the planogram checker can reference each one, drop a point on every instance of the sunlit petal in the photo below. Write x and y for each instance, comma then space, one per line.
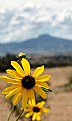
13, 73
29, 102
43, 78
46, 110
28, 110
41, 84
38, 71
29, 114
40, 104
10, 80
38, 117
31, 94
33, 102
40, 92
34, 117
24, 99
26, 66
11, 93
17, 97
8, 89
17, 67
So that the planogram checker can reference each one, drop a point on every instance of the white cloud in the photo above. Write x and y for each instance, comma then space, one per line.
21, 20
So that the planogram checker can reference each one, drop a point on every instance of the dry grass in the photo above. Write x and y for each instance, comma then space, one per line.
59, 101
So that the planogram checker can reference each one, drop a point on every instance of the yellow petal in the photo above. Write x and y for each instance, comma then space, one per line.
10, 80
28, 109
17, 98
13, 73
29, 102
18, 68
40, 104
26, 66
41, 84
11, 93
33, 102
34, 117
8, 89
46, 110
24, 99
38, 117
40, 92
29, 114
31, 94
43, 78
38, 71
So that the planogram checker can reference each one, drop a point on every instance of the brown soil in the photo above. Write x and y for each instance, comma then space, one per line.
59, 101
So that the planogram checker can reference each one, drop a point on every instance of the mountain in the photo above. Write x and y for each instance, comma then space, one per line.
45, 44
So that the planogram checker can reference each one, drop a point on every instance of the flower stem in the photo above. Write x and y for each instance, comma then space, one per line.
20, 115
11, 113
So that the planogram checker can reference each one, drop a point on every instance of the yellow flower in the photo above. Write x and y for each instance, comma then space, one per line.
23, 83
21, 54
35, 110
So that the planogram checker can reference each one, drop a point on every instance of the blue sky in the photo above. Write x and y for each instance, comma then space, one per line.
25, 19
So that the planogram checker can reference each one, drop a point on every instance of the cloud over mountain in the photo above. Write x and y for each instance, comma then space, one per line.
29, 21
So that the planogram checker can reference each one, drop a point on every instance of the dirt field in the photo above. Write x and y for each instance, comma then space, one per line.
59, 101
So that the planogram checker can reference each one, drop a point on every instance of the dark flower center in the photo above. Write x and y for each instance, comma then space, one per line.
28, 82
36, 109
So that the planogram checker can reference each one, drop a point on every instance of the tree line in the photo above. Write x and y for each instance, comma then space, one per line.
36, 60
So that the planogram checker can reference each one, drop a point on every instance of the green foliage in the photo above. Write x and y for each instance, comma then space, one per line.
5, 62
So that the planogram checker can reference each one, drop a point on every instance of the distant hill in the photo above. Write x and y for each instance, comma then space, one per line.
45, 44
